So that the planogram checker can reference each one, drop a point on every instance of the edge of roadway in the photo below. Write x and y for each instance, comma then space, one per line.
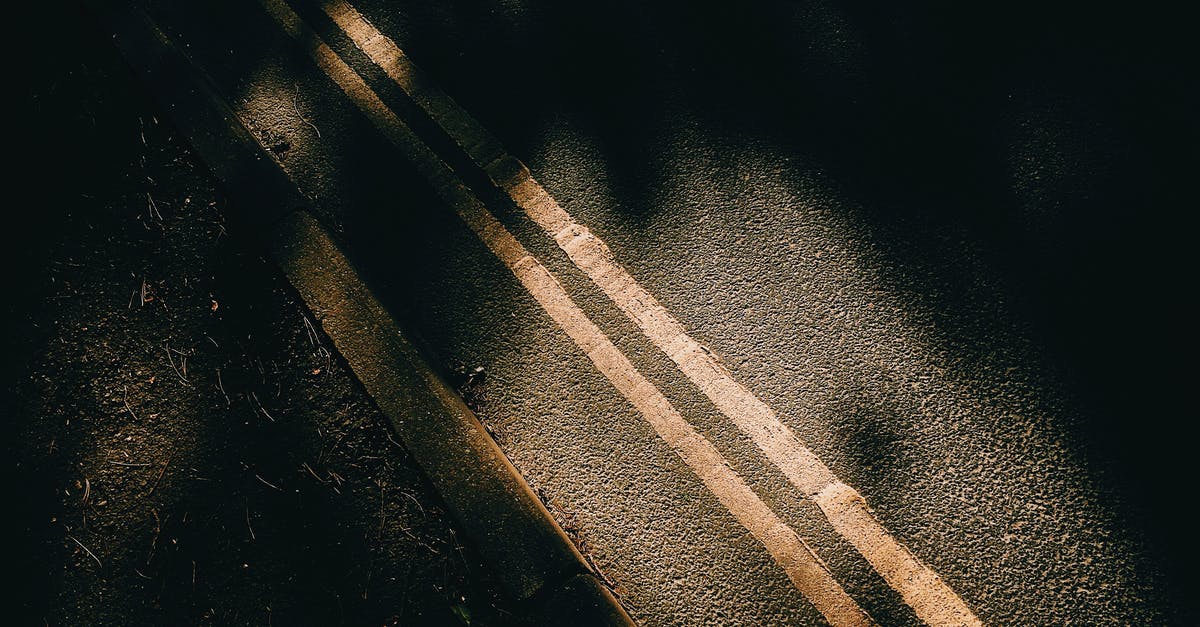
532, 558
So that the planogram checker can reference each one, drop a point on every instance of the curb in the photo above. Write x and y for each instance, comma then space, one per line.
531, 556
509, 525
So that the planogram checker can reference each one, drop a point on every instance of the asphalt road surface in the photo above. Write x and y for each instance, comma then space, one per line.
931, 250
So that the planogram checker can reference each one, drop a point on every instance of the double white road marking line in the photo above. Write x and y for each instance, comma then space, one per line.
921, 588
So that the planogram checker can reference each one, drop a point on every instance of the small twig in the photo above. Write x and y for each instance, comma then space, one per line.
127, 407
313, 337
131, 464
172, 360
87, 550
157, 533
415, 502
153, 207
314, 474
381, 484
261, 408
296, 106
159, 477
259, 477
321, 350
248, 526
459, 547
608, 583
221, 384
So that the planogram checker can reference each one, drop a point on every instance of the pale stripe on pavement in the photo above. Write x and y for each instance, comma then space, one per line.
921, 588
807, 573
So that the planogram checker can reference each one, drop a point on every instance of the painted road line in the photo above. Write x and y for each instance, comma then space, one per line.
921, 588
531, 556
807, 573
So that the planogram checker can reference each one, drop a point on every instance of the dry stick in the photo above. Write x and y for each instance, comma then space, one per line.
172, 360
296, 106
458, 547
311, 331
261, 408
408, 532
248, 526
153, 207
221, 385
157, 533
380, 509
415, 502
160, 476
314, 474
87, 550
127, 407
259, 477
608, 583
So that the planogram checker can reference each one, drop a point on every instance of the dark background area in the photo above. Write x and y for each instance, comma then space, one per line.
1061, 140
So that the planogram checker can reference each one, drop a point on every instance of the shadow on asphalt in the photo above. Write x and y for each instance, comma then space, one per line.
1048, 141
1055, 143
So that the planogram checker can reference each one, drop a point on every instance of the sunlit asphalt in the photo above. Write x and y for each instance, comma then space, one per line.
891, 228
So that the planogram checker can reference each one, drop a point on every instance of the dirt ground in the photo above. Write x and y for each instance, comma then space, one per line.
185, 448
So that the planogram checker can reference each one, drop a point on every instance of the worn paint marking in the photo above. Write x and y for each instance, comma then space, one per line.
807, 573
921, 588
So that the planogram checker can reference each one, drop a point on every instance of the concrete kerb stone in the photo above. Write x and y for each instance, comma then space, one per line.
492, 502
530, 554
